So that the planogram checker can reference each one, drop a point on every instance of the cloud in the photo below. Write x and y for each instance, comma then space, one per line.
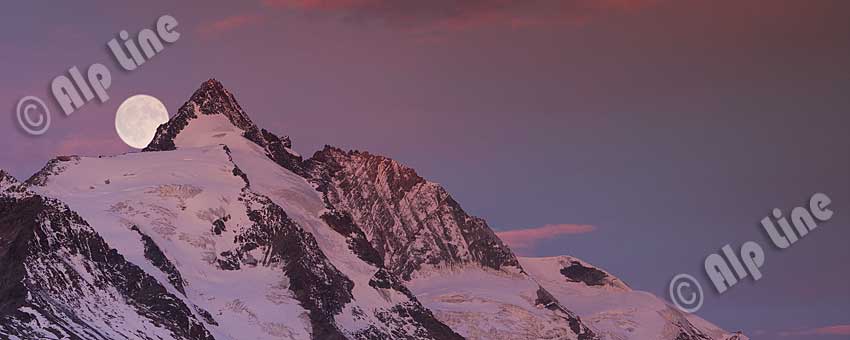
91, 146
830, 330
452, 15
527, 238
227, 24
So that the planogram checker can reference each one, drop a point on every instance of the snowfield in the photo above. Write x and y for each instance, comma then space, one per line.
174, 198
616, 311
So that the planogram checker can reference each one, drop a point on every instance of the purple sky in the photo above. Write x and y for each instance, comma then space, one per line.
646, 134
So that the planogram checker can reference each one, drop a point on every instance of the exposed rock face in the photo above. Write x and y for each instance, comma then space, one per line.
590, 276
342, 223
210, 99
545, 299
318, 285
60, 279
411, 222
154, 254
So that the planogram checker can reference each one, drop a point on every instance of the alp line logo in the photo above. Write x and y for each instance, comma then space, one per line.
727, 268
74, 92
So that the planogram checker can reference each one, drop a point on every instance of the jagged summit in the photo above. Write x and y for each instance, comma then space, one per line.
211, 99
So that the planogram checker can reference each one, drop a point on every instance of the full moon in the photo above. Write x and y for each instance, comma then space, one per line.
137, 119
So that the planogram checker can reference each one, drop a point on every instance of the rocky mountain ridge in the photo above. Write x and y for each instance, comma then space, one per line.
343, 245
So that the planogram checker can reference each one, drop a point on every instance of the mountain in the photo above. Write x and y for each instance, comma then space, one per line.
219, 230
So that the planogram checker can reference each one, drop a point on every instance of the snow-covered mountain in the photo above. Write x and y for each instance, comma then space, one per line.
221, 231
611, 307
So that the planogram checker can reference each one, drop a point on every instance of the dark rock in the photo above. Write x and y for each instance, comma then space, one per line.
239, 173
213, 99
576, 272
546, 300
17, 225
386, 280
320, 288
277, 149
219, 225
236, 170
208, 318
154, 254
229, 261
343, 223
53, 167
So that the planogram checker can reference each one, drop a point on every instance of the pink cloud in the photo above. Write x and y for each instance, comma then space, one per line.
830, 330
320, 4
527, 238
452, 16
228, 24
91, 146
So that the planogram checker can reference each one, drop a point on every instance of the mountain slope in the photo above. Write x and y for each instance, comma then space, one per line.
609, 305
61, 280
411, 222
424, 236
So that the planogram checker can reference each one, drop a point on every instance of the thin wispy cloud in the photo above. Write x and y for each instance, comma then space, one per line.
524, 239
90, 146
837, 330
230, 23
451, 15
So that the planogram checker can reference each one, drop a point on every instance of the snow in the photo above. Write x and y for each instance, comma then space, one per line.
173, 197
483, 304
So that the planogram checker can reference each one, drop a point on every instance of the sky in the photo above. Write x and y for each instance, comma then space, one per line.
638, 135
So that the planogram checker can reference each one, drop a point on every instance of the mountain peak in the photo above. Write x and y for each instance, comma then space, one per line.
210, 99
212, 83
